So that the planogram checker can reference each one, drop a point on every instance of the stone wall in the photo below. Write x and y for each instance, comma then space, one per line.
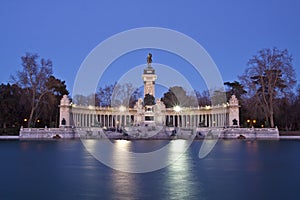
251, 133
165, 133
47, 133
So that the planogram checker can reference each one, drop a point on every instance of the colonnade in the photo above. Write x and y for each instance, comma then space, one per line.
103, 120
195, 120
89, 116
171, 119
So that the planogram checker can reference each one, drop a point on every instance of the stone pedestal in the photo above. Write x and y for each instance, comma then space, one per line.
234, 111
65, 112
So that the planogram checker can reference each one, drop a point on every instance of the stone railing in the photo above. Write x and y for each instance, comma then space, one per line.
46, 133
165, 133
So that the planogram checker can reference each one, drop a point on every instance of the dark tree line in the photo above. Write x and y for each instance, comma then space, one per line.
177, 96
286, 111
32, 99
112, 95
266, 92
269, 82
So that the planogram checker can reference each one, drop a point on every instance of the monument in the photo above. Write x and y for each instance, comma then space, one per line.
225, 115
149, 77
148, 119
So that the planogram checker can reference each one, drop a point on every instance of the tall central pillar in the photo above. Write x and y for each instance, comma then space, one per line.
149, 78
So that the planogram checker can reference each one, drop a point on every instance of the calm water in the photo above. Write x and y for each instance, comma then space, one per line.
64, 169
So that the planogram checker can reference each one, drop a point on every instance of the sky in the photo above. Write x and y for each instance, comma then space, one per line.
231, 31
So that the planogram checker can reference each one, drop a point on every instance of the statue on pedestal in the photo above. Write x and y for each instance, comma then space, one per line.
149, 59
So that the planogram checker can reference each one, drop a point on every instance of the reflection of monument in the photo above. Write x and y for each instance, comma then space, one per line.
187, 117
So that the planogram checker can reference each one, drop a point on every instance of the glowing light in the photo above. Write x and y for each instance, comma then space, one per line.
254, 121
122, 108
123, 144
25, 120
248, 120
177, 108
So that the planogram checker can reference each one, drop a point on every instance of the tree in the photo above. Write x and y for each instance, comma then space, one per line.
269, 75
235, 88
49, 105
218, 97
123, 94
296, 110
203, 98
33, 78
9, 104
104, 95
134, 97
177, 96
287, 112
118, 94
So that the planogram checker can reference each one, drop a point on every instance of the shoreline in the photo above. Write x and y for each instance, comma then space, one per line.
8, 138
200, 134
144, 133
164, 134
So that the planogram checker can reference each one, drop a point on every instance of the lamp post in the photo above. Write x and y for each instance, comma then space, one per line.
25, 121
177, 109
248, 122
251, 122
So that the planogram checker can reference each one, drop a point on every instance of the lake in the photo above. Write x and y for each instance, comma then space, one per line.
234, 169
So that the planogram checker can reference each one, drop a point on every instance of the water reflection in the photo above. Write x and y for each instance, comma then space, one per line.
120, 154
179, 179
117, 155
253, 162
234, 170
125, 185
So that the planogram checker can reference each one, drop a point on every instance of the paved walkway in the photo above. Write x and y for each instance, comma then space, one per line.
290, 137
9, 137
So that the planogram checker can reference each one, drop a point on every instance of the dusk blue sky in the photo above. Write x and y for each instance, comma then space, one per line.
231, 31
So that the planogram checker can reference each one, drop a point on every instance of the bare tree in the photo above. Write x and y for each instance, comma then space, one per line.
117, 94
269, 75
33, 78
104, 95
124, 94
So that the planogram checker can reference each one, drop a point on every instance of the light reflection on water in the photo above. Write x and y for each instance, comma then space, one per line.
179, 177
113, 154
233, 170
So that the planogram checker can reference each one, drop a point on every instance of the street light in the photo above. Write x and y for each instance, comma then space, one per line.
122, 108
177, 109
251, 122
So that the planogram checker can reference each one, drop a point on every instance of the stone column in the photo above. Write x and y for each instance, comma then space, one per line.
65, 111
233, 110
